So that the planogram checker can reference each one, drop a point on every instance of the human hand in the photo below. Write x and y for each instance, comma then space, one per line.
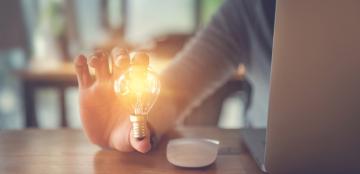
104, 116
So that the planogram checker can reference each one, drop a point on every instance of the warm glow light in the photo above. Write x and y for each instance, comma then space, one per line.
139, 87
138, 84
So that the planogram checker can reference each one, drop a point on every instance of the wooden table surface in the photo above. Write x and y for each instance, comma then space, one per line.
68, 151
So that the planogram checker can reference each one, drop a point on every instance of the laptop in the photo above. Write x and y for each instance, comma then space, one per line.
314, 110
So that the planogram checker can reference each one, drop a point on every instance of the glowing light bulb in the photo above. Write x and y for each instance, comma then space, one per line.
140, 87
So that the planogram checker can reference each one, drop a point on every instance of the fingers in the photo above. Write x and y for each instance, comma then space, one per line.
119, 138
120, 61
82, 72
122, 140
99, 61
143, 145
140, 58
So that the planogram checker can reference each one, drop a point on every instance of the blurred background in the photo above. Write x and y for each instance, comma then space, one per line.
40, 38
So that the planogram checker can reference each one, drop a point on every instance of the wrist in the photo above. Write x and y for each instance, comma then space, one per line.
160, 120
163, 114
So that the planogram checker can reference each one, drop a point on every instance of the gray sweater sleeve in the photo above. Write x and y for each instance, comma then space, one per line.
209, 60
238, 33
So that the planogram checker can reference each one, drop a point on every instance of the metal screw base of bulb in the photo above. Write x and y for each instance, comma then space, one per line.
138, 123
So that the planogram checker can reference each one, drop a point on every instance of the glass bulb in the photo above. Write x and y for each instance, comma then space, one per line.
140, 87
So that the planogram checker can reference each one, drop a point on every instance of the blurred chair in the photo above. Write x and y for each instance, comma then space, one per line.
209, 112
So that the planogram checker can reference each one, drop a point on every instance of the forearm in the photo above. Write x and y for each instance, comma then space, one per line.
206, 63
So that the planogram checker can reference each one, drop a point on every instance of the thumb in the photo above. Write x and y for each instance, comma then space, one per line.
142, 145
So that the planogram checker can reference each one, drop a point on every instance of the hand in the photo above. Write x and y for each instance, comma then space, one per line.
104, 116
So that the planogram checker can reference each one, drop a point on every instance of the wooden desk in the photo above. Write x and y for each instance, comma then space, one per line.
68, 151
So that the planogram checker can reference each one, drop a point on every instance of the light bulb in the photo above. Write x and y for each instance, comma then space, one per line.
140, 87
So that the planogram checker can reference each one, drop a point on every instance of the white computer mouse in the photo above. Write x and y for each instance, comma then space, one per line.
192, 152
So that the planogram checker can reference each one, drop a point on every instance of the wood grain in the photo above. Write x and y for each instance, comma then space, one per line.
68, 151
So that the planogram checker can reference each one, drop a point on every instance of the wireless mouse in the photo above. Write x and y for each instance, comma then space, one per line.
192, 152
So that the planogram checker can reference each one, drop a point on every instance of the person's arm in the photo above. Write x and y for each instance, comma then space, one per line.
206, 63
